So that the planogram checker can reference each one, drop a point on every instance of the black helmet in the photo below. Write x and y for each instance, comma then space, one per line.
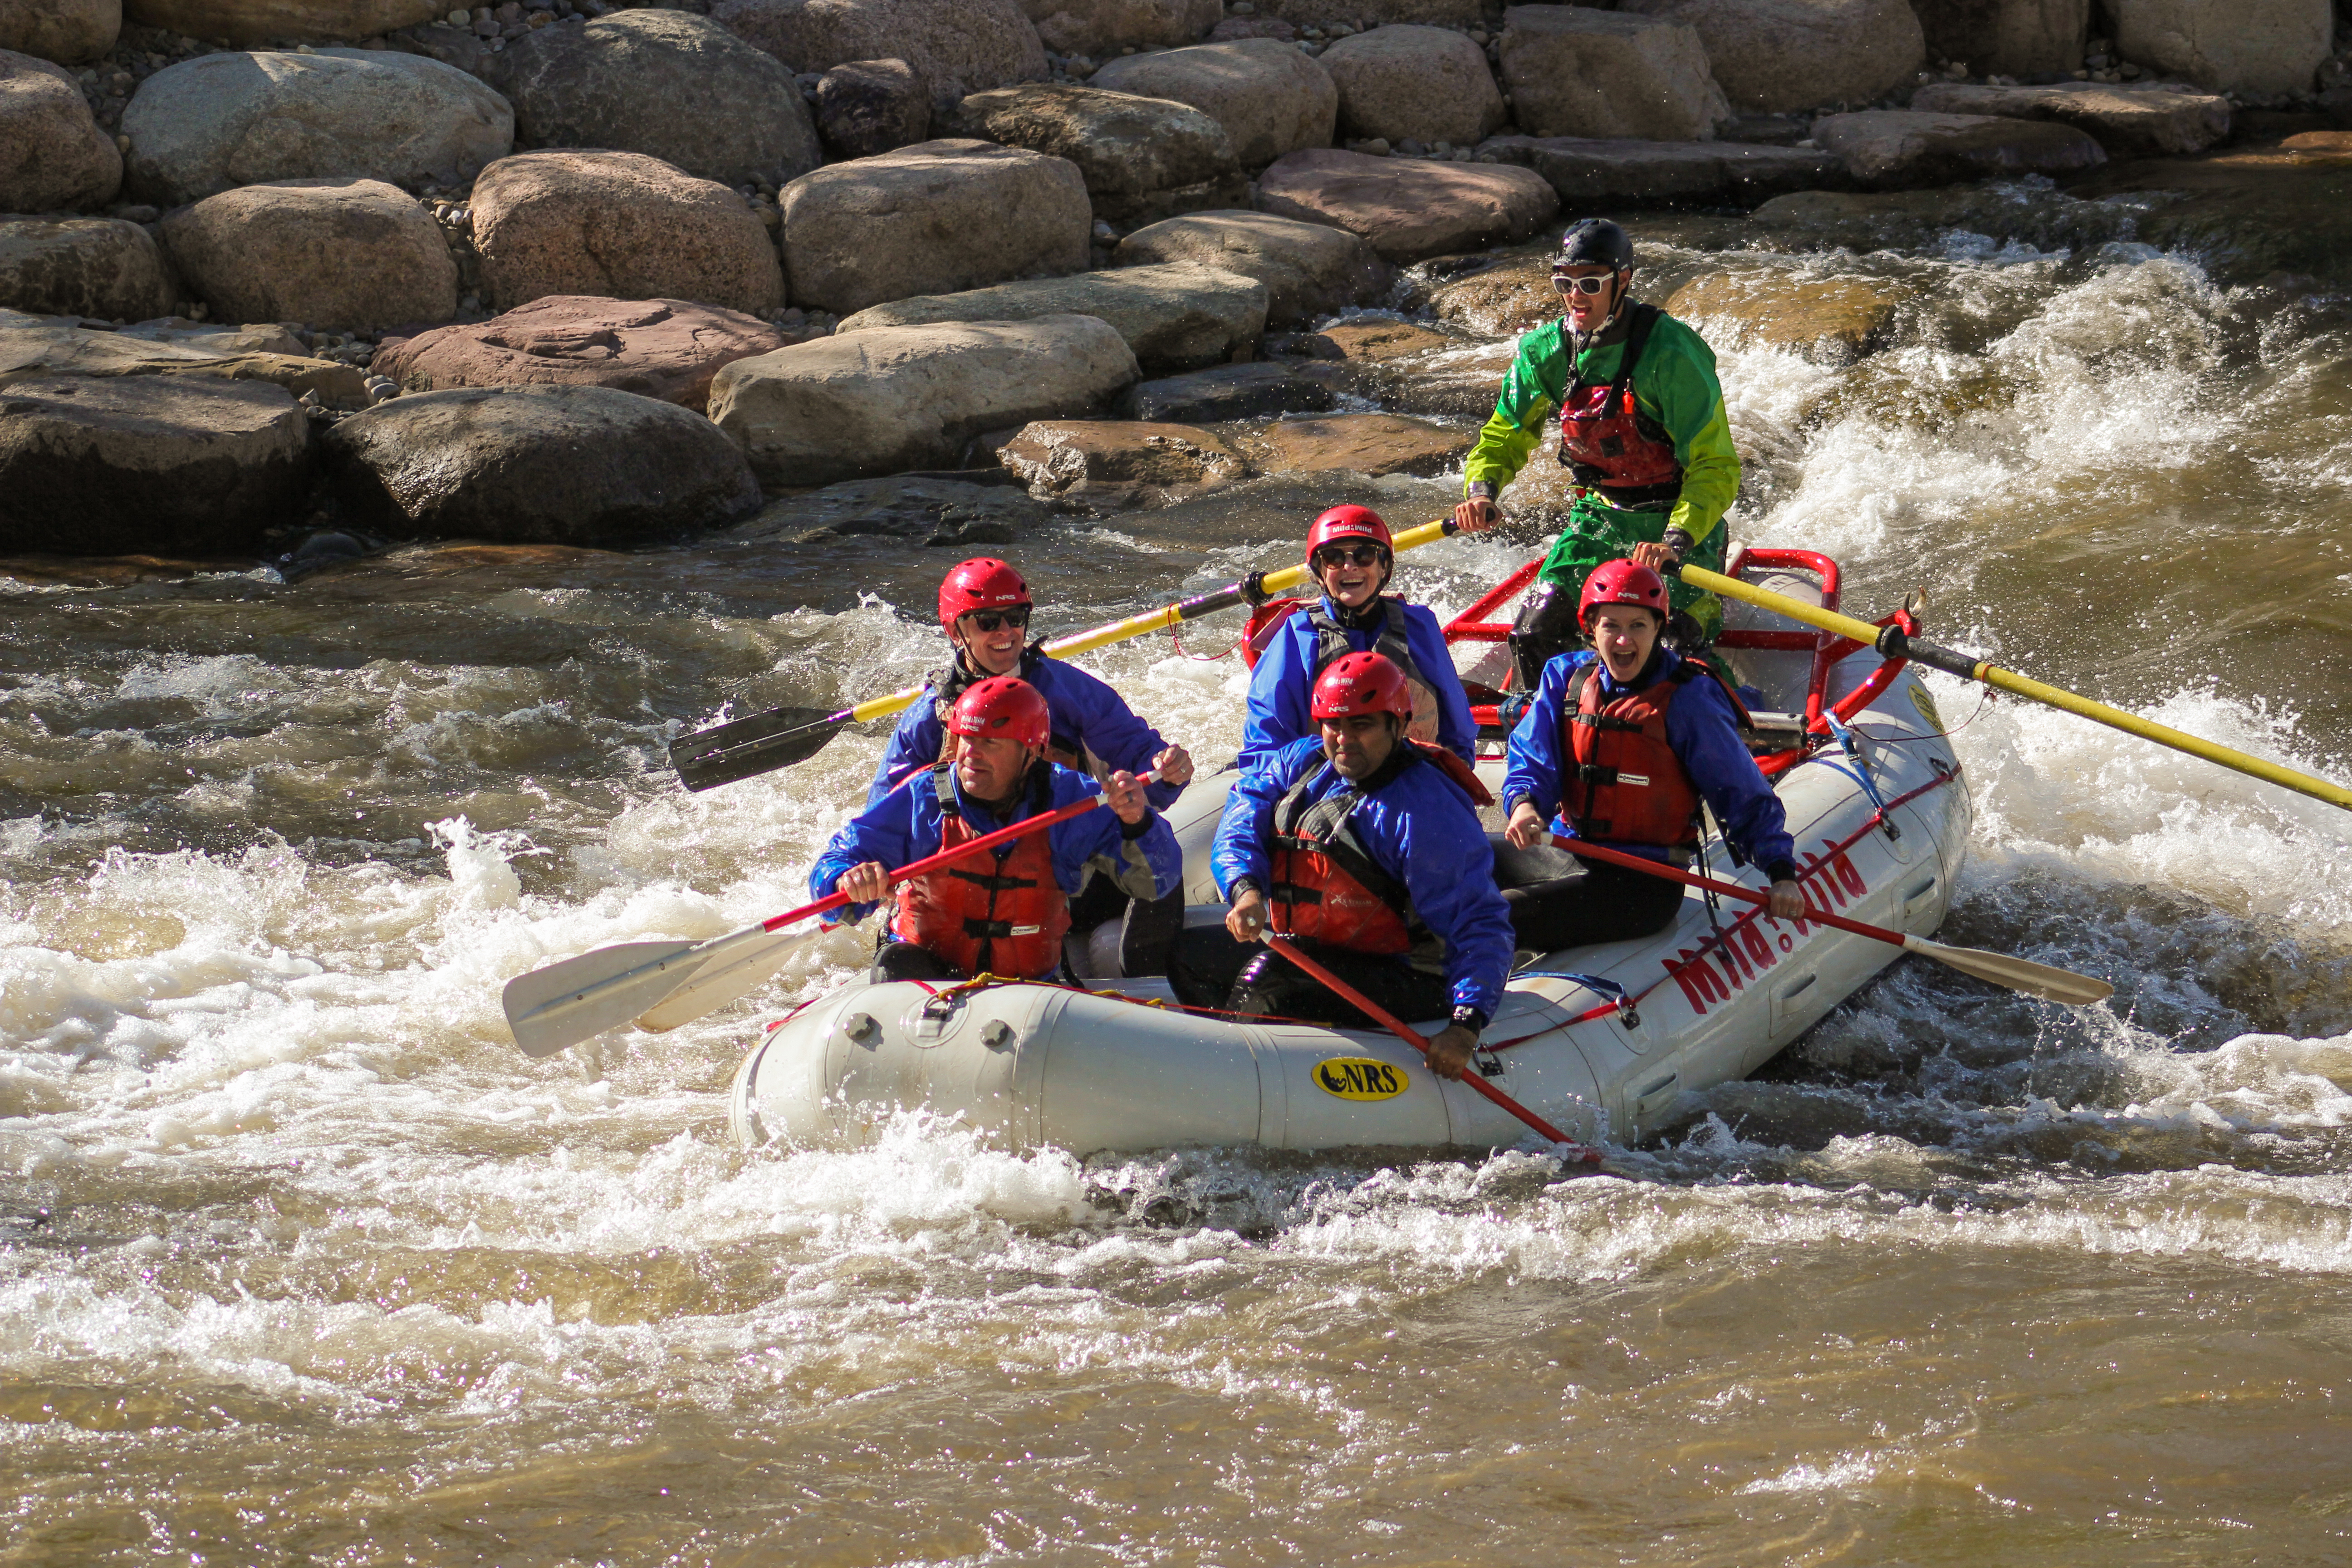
1595, 242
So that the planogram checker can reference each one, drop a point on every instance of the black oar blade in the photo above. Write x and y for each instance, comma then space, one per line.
762, 743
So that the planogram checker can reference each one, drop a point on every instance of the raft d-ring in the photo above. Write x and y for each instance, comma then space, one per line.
997, 1034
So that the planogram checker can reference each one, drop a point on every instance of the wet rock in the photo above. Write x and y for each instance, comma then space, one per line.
83, 266
216, 121
1100, 27
164, 465
896, 398
563, 465
1451, 379
273, 21
939, 218
1574, 72
322, 548
1271, 99
622, 83
866, 107
2155, 120
1119, 461
2258, 45
1776, 55
1505, 300
1375, 13
2009, 37
36, 352
1177, 316
1235, 28
339, 253
1373, 444
1222, 393
1590, 174
53, 157
1895, 149
1406, 209
668, 349
1427, 84
2245, 216
1309, 270
620, 225
956, 46
63, 32
1377, 338
1142, 158
920, 508
1830, 321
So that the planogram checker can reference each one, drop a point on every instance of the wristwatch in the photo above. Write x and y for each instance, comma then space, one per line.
1480, 490
1471, 1018
1678, 542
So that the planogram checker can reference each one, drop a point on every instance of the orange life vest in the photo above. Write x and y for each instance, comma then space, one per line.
1326, 888
1624, 783
1608, 444
1008, 919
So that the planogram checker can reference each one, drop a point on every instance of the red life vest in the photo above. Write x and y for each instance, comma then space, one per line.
1626, 785
1008, 919
1608, 444
1326, 888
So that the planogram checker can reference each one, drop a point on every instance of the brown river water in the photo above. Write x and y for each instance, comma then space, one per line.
301, 1262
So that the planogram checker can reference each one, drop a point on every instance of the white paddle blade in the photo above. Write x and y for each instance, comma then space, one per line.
718, 983
2018, 973
579, 999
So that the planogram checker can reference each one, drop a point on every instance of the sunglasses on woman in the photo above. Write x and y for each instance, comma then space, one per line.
990, 620
1332, 555
1586, 285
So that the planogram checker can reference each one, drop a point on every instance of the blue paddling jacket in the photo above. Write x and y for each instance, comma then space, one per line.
1282, 688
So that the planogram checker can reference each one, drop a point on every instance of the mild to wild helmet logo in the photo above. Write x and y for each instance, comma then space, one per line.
1359, 1078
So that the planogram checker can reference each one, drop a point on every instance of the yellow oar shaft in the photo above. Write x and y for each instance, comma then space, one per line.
1895, 643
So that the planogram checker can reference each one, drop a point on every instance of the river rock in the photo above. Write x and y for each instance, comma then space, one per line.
620, 225
1592, 174
2007, 37
1309, 270
274, 21
923, 509
1376, 13
63, 32
1271, 99
1886, 149
217, 122
619, 84
53, 156
98, 267
553, 464
37, 352
1408, 209
1574, 72
1501, 300
668, 349
1373, 444
895, 398
1830, 321
939, 218
956, 46
335, 253
1223, 391
1142, 158
866, 107
1177, 316
1420, 84
2258, 45
1100, 28
157, 465
1775, 56
1117, 462
2163, 119
1377, 338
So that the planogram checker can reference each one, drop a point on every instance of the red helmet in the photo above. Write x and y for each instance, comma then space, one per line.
1622, 582
984, 583
1348, 523
1003, 708
1357, 683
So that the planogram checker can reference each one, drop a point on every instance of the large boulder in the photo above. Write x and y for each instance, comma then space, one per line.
1373, 444
217, 122
922, 508
1830, 321
544, 465
956, 47
268, 354
1309, 270
161, 465
2258, 45
866, 107
939, 218
1178, 316
2157, 121
1251, 391
624, 83
1574, 72
1408, 209
1142, 158
862, 404
1100, 27
1419, 84
668, 349
1775, 56
1117, 462
1595, 174
1375, 13
53, 156
1271, 99
98, 267
1893, 148
275, 21
621, 224
335, 253
64, 32
2009, 37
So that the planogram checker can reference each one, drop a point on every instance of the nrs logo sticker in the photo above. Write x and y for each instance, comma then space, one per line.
1359, 1078
1922, 700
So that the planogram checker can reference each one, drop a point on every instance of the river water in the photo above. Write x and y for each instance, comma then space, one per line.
301, 1262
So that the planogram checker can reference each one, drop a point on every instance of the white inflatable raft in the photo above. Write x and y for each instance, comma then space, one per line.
1600, 1041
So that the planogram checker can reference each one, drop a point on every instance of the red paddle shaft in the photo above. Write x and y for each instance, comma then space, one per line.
1405, 1032
1656, 868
